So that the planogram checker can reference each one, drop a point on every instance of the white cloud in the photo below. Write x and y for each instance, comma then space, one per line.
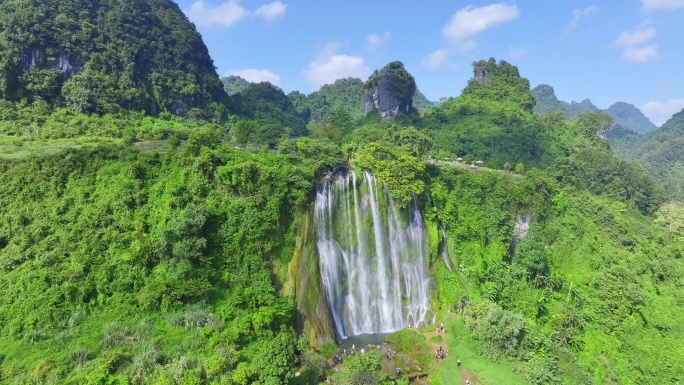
255, 75
517, 52
635, 37
225, 14
271, 11
375, 41
634, 44
659, 112
436, 60
654, 5
328, 66
439, 60
641, 54
466, 23
579, 14
230, 12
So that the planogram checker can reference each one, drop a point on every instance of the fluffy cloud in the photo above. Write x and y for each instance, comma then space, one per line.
641, 54
255, 75
636, 37
226, 14
437, 59
375, 41
516, 52
659, 112
634, 45
208, 15
654, 5
329, 66
579, 14
470, 21
271, 11
464, 26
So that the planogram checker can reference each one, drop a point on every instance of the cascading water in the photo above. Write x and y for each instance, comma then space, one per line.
372, 259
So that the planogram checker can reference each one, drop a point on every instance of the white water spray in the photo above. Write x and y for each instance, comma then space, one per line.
372, 258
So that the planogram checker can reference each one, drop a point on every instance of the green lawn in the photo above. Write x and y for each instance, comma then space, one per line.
462, 346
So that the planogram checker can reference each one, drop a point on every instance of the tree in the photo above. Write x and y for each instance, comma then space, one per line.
671, 215
519, 168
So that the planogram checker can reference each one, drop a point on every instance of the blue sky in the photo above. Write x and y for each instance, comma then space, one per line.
608, 51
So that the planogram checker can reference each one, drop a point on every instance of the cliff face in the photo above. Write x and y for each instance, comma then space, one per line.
389, 90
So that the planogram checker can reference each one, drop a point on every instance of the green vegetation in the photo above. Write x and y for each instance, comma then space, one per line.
140, 246
161, 264
234, 84
546, 102
660, 153
343, 94
80, 54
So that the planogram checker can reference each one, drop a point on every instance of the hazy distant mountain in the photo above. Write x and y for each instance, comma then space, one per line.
631, 118
660, 152
546, 101
626, 116
421, 103
234, 84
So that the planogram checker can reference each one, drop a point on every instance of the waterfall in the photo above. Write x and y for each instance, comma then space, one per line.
444, 253
372, 256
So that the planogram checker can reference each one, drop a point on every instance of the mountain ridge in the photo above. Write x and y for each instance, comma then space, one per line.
625, 115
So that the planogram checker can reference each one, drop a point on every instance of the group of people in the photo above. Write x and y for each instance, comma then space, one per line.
441, 354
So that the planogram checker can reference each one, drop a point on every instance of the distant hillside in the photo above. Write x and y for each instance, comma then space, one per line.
268, 104
631, 118
660, 152
546, 101
421, 103
234, 84
344, 93
98, 56
626, 117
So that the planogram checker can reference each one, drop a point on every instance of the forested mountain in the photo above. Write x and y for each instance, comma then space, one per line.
421, 103
139, 247
631, 118
546, 101
273, 114
492, 121
346, 94
234, 84
343, 93
626, 117
106, 56
660, 152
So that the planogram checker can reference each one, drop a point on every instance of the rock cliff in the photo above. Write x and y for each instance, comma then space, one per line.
389, 90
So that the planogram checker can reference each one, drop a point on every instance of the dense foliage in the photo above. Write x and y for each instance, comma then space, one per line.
344, 93
234, 84
661, 153
140, 249
588, 295
269, 105
119, 264
81, 54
